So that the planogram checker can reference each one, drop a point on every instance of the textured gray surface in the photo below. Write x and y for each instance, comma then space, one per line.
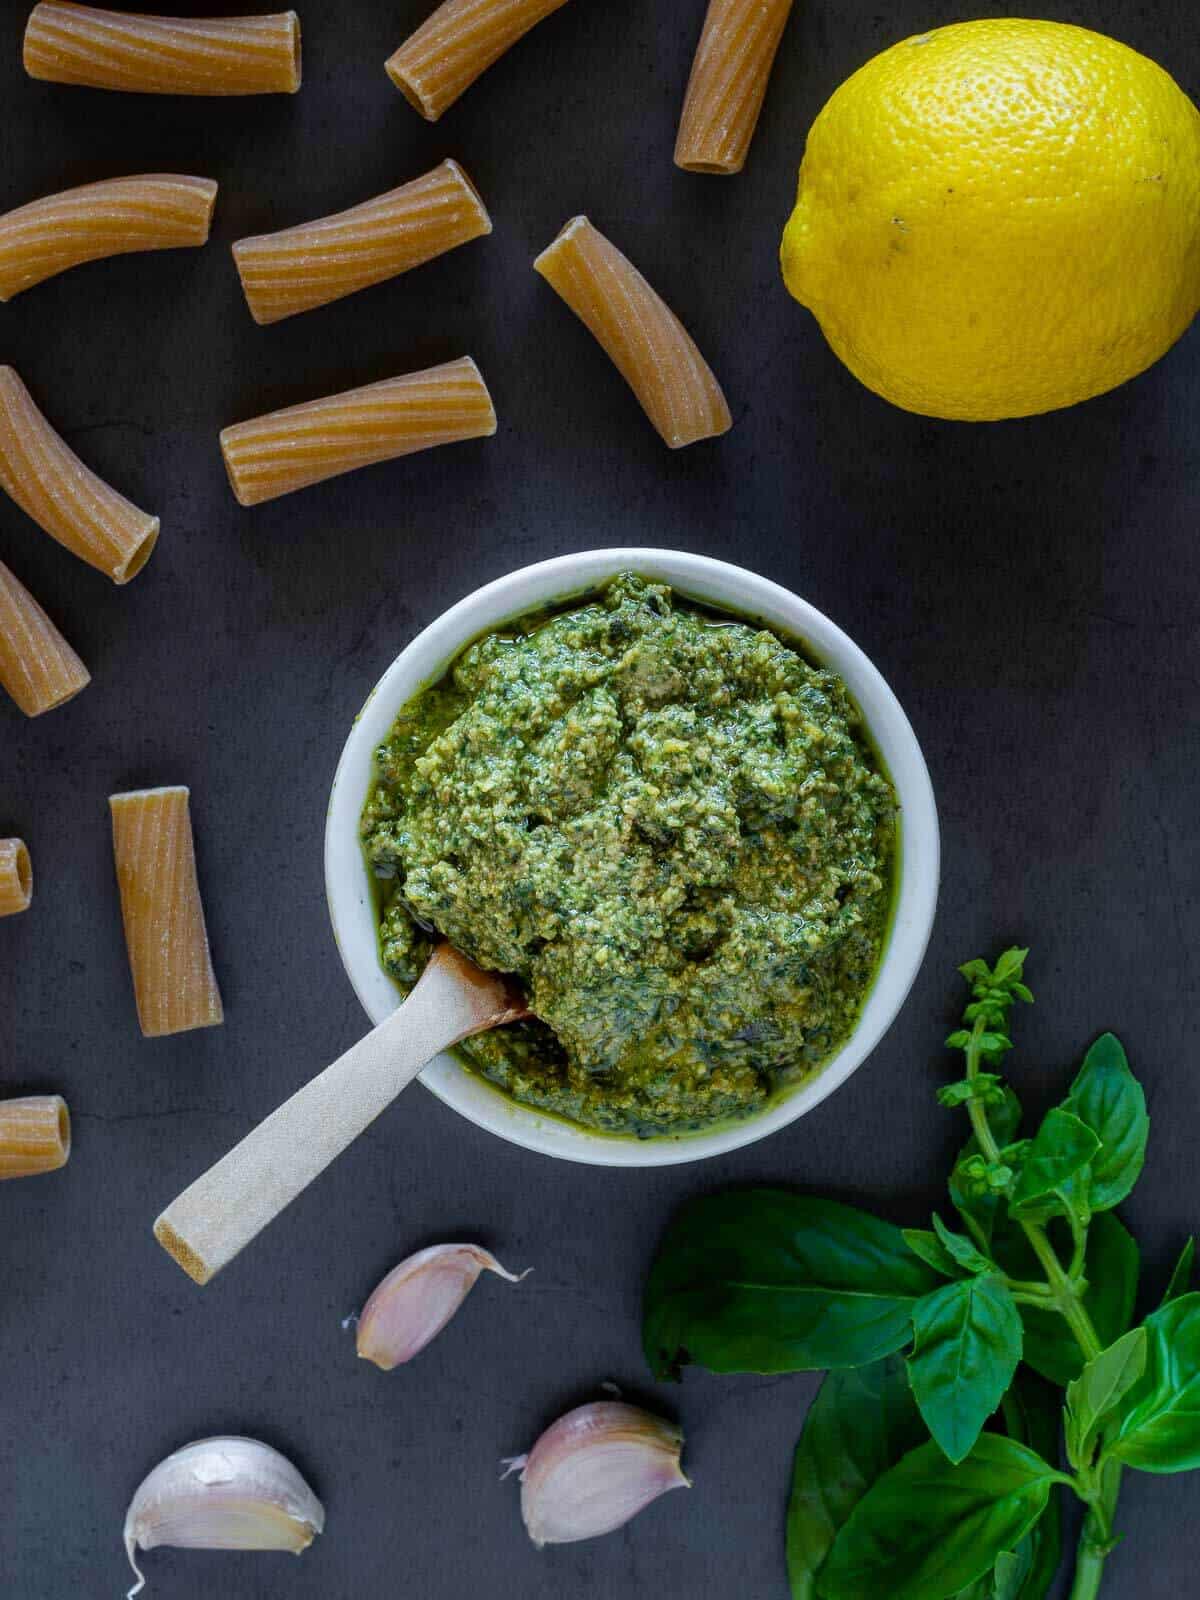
1031, 590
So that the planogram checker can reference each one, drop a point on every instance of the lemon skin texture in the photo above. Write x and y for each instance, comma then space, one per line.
1000, 218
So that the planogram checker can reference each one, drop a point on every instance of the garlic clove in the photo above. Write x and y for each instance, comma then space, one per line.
417, 1299
594, 1469
222, 1494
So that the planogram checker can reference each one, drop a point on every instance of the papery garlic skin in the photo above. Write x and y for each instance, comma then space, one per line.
594, 1469
222, 1494
417, 1299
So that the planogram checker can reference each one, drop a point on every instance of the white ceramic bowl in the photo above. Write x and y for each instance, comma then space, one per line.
348, 886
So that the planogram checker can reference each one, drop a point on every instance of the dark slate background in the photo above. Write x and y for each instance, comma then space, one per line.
1031, 590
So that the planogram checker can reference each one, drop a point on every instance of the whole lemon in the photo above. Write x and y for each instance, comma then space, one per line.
1000, 218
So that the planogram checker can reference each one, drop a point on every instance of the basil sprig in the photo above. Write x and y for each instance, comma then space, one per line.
929, 1463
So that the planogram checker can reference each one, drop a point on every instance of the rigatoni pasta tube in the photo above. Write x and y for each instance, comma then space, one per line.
37, 665
159, 211
310, 265
461, 40
125, 50
35, 1136
729, 79
50, 484
173, 980
644, 338
305, 444
16, 877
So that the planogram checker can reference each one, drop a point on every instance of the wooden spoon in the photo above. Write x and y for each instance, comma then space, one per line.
223, 1210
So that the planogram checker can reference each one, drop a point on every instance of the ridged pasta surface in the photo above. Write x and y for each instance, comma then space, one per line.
173, 980
310, 265
728, 82
66, 499
291, 449
16, 877
37, 665
66, 43
158, 211
35, 1135
462, 39
644, 338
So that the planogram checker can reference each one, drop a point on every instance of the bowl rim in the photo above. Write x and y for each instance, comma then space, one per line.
714, 582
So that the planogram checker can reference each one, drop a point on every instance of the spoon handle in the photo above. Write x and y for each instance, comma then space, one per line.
234, 1200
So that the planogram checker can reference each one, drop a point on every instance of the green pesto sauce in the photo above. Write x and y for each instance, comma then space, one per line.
672, 828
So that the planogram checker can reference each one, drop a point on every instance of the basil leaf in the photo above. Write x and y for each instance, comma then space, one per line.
1110, 1101
761, 1280
928, 1529
931, 1250
1099, 1389
1062, 1146
1182, 1276
1009, 966
983, 1209
968, 1343
1111, 1269
861, 1423
960, 1248
1160, 1425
